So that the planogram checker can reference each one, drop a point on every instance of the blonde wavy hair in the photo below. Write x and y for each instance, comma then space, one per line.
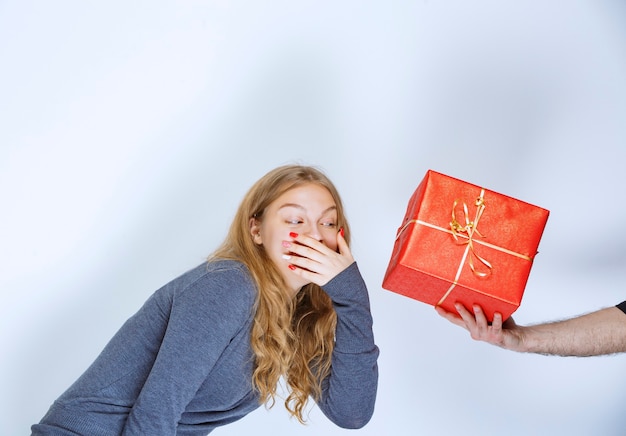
290, 337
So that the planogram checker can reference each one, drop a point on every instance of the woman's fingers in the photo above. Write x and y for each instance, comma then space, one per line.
316, 261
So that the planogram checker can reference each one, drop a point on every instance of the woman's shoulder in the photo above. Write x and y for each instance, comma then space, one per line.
220, 278
225, 265
214, 267
231, 276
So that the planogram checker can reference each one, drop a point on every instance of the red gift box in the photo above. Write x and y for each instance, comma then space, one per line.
462, 243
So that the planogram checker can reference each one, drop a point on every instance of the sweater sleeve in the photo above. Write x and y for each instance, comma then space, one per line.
349, 392
204, 317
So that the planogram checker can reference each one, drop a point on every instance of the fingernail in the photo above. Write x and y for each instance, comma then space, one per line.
286, 257
286, 244
292, 267
341, 232
293, 234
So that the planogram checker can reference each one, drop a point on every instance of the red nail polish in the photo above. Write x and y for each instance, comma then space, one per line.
341, 232
293, 234
292, 267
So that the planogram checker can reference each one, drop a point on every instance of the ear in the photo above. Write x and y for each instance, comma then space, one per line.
255, 231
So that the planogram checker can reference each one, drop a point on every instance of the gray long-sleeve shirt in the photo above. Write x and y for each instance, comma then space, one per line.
182, 365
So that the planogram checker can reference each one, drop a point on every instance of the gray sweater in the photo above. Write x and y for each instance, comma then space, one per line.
182, 365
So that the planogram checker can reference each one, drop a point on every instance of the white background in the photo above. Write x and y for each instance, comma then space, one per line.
130, 130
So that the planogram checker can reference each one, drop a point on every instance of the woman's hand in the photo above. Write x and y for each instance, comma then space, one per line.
314, 261
503, 334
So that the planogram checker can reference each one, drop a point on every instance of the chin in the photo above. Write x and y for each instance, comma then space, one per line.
296, 285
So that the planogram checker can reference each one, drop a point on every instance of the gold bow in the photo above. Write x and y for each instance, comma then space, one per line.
467, 232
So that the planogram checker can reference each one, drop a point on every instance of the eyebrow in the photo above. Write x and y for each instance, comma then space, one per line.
298, 206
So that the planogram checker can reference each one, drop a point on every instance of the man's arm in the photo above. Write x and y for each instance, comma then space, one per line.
596, 333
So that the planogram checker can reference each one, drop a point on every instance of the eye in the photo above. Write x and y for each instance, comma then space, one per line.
330, 224
294, 221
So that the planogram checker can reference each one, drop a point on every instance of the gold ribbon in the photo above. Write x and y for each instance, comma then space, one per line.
464, 234
468, 230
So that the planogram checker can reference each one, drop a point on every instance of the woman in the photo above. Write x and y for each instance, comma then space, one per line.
281, 297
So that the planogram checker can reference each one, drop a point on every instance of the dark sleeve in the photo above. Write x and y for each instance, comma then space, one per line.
203, 319
622, 306
349, 392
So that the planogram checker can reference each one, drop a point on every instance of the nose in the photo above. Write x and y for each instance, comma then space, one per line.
313, 232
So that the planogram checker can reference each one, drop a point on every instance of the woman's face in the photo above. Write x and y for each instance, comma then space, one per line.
307, 210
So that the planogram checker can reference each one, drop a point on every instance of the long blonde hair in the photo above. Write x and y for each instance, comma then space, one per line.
290, 337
